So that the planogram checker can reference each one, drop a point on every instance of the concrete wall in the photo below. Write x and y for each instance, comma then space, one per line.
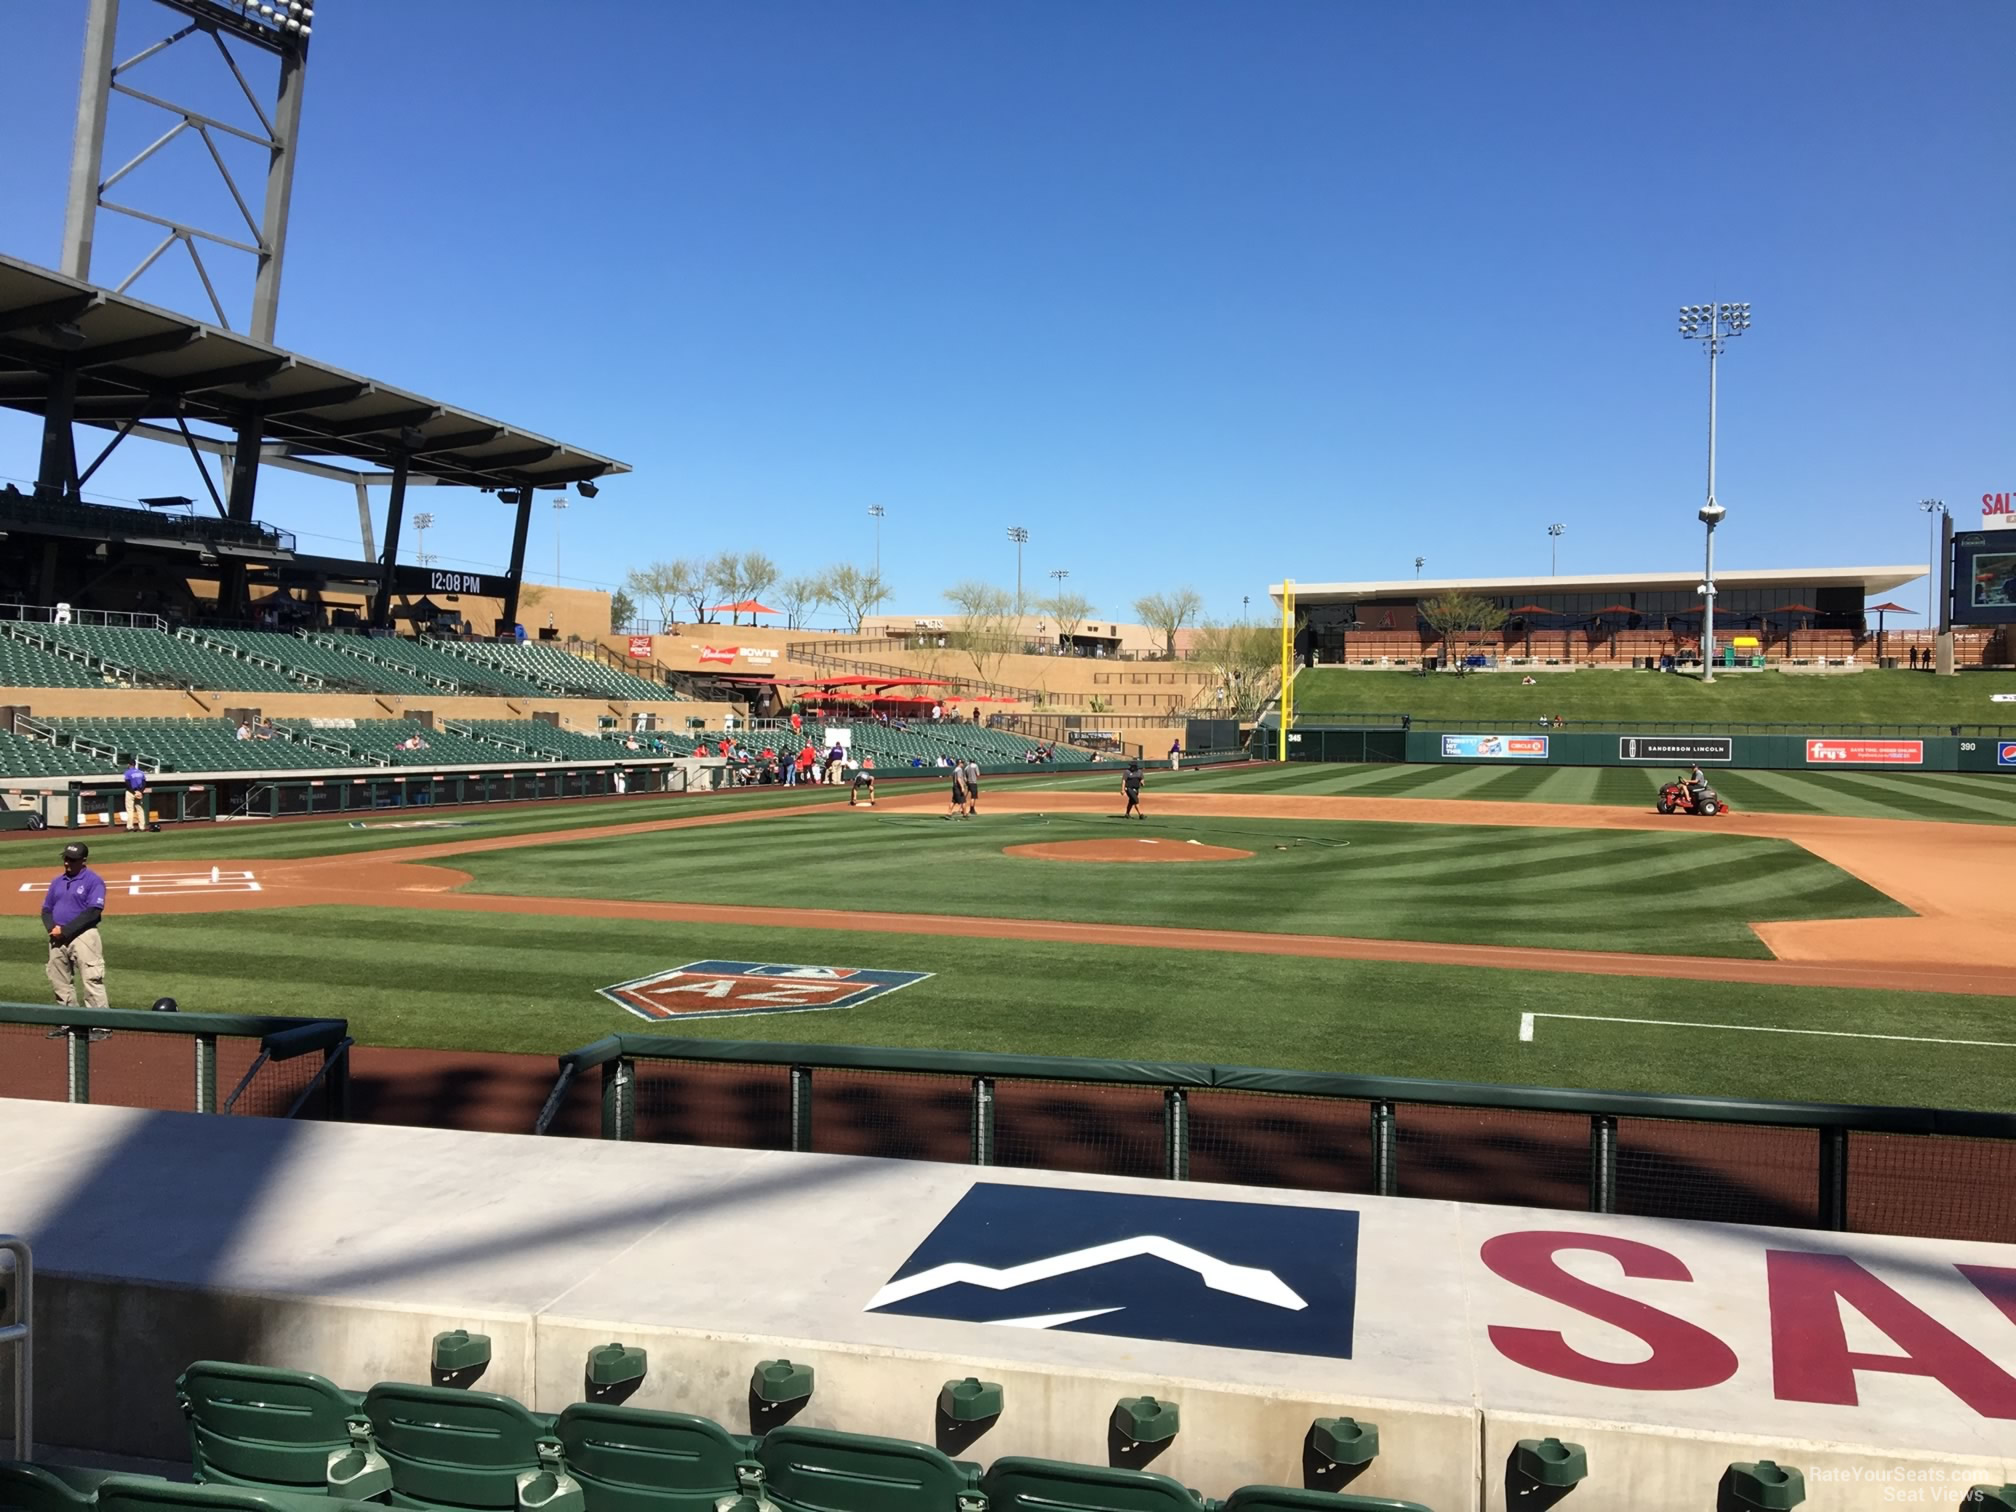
1667, 1349
115, 703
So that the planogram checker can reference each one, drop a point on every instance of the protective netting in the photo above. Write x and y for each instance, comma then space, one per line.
32, 1065
274, 1089
1665, 1168
1525, 1159
893, 1114
1068, 1126
696, 1102
1932, 1186
1264, 1139
1718, 1173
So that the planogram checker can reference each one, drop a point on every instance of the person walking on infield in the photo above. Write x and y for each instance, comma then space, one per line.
971, 772
71, 910
1130, 784
136, 796
958, 809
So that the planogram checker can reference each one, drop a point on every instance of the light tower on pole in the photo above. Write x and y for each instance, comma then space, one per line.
1933, 508
875, 513
422, 523
1554, 534
1019, 534
1714, 325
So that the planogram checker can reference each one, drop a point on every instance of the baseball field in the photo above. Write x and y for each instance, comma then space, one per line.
1837, 937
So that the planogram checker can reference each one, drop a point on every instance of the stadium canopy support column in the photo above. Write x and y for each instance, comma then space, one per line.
279, 192
56, 477
232, 595
517, 559
364, 522
388, 566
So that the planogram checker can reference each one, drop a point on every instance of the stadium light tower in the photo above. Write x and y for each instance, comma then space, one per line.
875, 513
1019, 534
1554, 534
559, 508
1715, 326
422, 523
280, 27
1419, 563
1933, 509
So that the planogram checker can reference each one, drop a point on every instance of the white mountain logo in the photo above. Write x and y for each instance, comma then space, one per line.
1255, 1283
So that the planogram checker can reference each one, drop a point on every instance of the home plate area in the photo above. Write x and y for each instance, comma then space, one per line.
172, 884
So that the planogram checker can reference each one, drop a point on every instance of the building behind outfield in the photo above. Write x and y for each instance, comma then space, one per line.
1781, 614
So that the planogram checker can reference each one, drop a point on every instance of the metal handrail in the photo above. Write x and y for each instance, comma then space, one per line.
17, 1334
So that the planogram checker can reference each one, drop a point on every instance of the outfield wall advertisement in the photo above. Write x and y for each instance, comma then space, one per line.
1792, 751
1494, 747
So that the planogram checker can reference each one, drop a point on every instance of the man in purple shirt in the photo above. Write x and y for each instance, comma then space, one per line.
71, 910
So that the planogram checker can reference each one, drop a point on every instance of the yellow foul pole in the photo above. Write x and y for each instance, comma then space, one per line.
1287, 666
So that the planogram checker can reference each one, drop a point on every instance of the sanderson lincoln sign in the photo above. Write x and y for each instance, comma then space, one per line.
436, 580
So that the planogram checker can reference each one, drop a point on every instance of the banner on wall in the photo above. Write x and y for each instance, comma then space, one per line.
1866, 752
640, 647
718, 653
1495, 747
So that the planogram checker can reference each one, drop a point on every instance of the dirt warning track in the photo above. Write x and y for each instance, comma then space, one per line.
1951, 875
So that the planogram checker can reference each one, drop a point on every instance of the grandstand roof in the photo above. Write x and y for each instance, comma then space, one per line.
1871, 580
137, 362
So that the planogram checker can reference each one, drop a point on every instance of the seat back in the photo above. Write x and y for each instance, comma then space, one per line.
37, 1488
451, 1448
631, 1459
1295, 1499
251, 1425
1020, 1484
823, 1470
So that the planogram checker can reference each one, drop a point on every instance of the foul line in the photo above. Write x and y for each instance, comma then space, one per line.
1526, 1030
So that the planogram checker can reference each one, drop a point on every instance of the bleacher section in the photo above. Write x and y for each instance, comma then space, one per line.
927, 742
536, 737
285, 1435
381, 738
331, 667
563, 669
425, 660
191, 745
21, 757
28, 666
153, 656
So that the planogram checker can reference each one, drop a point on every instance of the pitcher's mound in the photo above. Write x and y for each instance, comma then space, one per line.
1117, 849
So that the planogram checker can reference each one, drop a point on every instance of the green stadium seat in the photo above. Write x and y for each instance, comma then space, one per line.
1295, 1499
139, 1493
630, 1459
455, 1449
44, 1488
824, 1470
1022, 1484
253, 1425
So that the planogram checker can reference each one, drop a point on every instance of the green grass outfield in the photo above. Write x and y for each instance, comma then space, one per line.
1957, 797
1872, 697
527, 983
1683, 891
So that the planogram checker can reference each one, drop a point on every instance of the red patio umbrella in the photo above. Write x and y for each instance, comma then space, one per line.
1881, 610
747, 606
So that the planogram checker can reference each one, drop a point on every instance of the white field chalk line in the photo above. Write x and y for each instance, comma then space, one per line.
1526, 1030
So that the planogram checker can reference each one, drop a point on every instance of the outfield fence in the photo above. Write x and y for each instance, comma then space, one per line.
178, 1062
1934, 1173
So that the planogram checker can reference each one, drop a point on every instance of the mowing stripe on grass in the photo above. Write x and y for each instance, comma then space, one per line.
1526, 1030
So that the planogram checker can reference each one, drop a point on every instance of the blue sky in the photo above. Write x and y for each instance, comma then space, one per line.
1198, 293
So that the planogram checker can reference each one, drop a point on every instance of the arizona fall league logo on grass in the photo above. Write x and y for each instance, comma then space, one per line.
725, 989
1239, 1275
